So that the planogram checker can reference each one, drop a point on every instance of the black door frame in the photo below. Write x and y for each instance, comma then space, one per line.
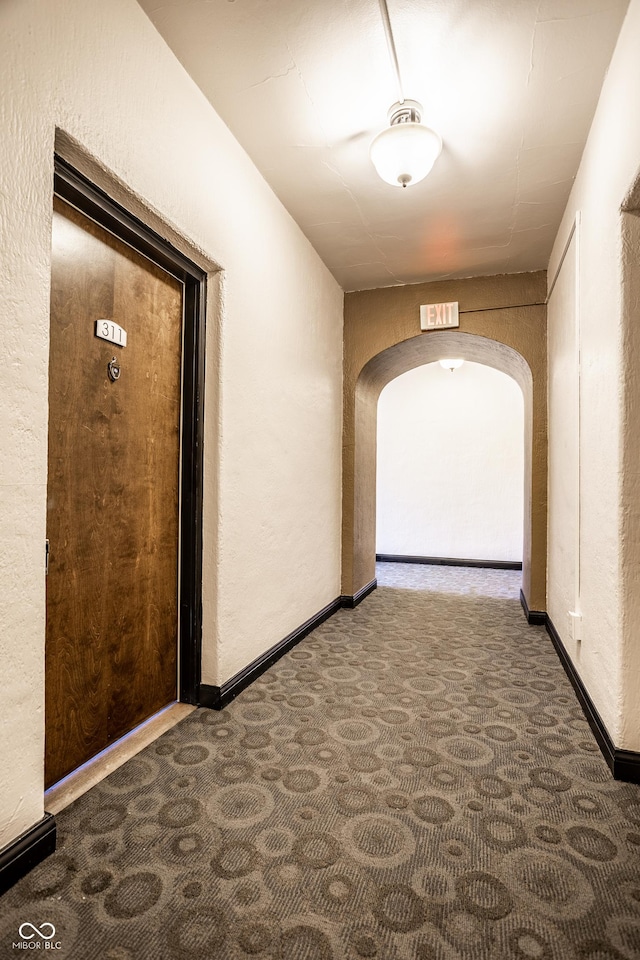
75, 189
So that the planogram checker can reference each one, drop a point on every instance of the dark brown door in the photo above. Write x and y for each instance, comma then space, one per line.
113, 492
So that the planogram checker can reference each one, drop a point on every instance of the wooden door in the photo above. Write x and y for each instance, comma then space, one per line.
113, 492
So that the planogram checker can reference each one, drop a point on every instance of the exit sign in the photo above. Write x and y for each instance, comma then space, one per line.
436, 316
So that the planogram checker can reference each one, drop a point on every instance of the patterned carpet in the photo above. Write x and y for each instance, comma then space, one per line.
414, 780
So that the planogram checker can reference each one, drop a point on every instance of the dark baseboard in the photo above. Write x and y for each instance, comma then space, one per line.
449, 561
358, 597
624, 764
26, 851
534, 617
218, 697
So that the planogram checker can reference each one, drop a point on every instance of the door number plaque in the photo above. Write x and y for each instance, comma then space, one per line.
111, 331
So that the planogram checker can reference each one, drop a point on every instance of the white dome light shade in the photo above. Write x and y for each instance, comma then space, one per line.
451, 364
405, 153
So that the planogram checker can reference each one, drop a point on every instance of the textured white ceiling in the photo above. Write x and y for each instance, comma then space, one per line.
511, 86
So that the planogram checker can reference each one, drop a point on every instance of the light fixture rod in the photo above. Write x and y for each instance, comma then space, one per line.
384, 10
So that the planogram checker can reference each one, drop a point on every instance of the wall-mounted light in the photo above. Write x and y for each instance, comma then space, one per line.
407, 150
451, 364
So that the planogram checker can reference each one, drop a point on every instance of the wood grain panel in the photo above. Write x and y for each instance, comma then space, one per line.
113, 489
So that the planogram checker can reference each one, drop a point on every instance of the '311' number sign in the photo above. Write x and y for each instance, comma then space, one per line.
111, 331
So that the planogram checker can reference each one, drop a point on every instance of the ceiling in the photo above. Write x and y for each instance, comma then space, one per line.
510, 85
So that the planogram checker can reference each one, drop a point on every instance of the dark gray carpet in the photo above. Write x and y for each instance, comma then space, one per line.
414, 780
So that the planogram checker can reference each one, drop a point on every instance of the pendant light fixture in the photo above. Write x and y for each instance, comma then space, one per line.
450, 364
405, 152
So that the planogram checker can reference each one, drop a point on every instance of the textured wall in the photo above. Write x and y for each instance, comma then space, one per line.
606, 311
563, 568
97, 78
450, 464
502, 324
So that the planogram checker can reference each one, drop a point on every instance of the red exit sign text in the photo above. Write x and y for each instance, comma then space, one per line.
435, 316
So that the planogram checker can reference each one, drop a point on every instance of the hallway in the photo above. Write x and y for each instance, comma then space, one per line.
413, 780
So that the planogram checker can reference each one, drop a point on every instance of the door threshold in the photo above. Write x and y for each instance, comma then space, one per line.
65, 791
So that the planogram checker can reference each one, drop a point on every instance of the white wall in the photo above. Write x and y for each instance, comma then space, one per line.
128, 114
563, 543
604, 308
450, 464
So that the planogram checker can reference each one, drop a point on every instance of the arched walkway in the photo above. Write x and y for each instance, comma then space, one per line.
450, 464
481, 343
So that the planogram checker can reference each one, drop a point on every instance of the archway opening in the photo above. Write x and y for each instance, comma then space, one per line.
450, 467
359, 542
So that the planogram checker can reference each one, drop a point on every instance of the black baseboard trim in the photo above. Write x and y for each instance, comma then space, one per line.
624, 764
218, 697
215, 698
358, 597
26, 851
449, 561
534, 617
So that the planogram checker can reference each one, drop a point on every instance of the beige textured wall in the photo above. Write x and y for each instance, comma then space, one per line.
605, 323
502, 324
563, 547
